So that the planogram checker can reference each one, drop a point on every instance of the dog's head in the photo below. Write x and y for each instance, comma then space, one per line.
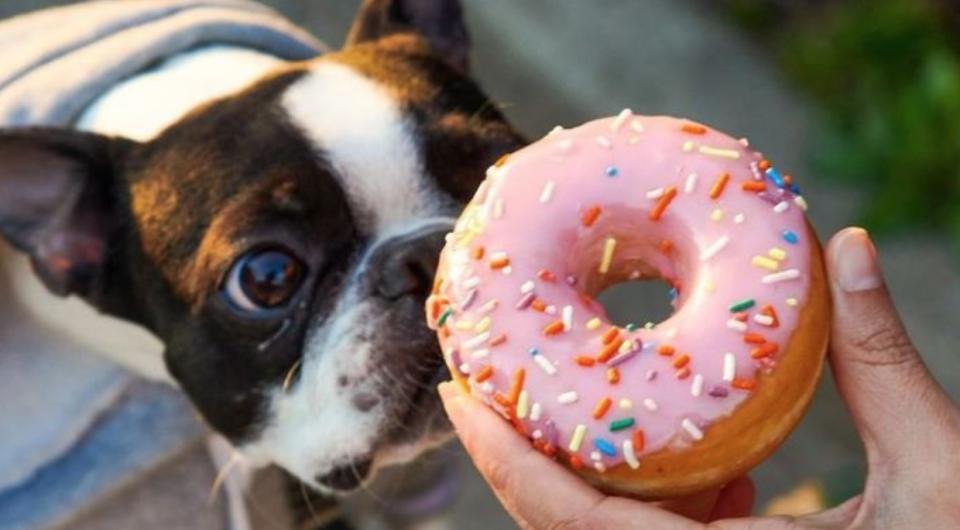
281, 241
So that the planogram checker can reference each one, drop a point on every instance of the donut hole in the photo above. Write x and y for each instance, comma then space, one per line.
646, 280
637, 302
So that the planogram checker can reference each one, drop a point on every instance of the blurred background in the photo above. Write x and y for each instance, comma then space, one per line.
859, 100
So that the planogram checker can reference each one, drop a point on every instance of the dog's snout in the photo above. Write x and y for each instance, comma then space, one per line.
406, 265
347, 477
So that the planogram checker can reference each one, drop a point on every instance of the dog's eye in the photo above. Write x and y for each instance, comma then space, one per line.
264, 279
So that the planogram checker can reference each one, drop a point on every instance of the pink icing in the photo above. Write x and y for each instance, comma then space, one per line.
530, 210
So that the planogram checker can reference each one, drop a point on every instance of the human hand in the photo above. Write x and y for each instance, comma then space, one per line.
909, 426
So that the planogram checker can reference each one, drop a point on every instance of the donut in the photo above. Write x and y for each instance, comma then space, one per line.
655, 410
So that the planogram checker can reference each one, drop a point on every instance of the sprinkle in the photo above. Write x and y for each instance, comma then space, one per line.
444, 316
657, 212
650, 375
741, 305
753, 185
601, 408
625, 404
736, 325
527, 286
789, 274
718, 391
716, 215
621, 118
469, 299
718, 185
636, 125
538, 305
623, 357
691, 183
696, 388
585, 361
485, 373
604, 142
763, 165
763, 320
774, 176
665, 246
516, 385
683, 373
621, 424
629, 456
545, 364
609, 351
472, 282
754, 338
666, 350
553, 328
769, 311
480, 354
631, 327
693, 128
800, 202
681, 361
547, 191
613, 376
729, 367
600, 467
790, 237
463, 324
590, 215
692, 429
577, 439
535, 411
593, 323
605, 447
777, 253
781, 207
739, 218
765, 350
488, 307
486, 387
688, 146
477, 340
792, 302
743, 384
765, 263
525, 301
567, 317
655, 193
650, 404
568, 398
464, 368
483, 325
610, 335
575, 463
523, 404
478, 253
499, 261
608, 247
714, 248
722, 153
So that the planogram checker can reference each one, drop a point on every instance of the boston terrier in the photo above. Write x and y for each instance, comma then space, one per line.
279, 240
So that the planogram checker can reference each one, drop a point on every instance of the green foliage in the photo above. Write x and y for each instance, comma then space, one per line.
888, 74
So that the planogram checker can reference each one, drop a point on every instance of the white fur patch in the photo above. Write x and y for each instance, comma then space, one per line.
358, 124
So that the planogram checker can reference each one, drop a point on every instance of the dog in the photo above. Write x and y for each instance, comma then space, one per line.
279, 241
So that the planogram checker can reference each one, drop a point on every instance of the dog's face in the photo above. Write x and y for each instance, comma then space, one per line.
281, 242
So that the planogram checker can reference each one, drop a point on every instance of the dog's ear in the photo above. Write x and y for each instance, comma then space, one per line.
439, 22
58, 198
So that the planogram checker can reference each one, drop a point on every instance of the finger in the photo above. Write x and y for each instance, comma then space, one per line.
537, 492
735, 500
697, 507
896, 404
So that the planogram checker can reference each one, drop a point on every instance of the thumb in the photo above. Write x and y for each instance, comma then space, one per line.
899, 409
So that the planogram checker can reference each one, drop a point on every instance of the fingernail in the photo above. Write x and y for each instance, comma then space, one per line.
855, 262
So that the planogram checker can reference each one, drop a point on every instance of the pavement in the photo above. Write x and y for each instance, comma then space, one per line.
549, 62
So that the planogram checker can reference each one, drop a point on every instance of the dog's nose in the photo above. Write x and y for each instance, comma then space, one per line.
347, 477
406, 264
